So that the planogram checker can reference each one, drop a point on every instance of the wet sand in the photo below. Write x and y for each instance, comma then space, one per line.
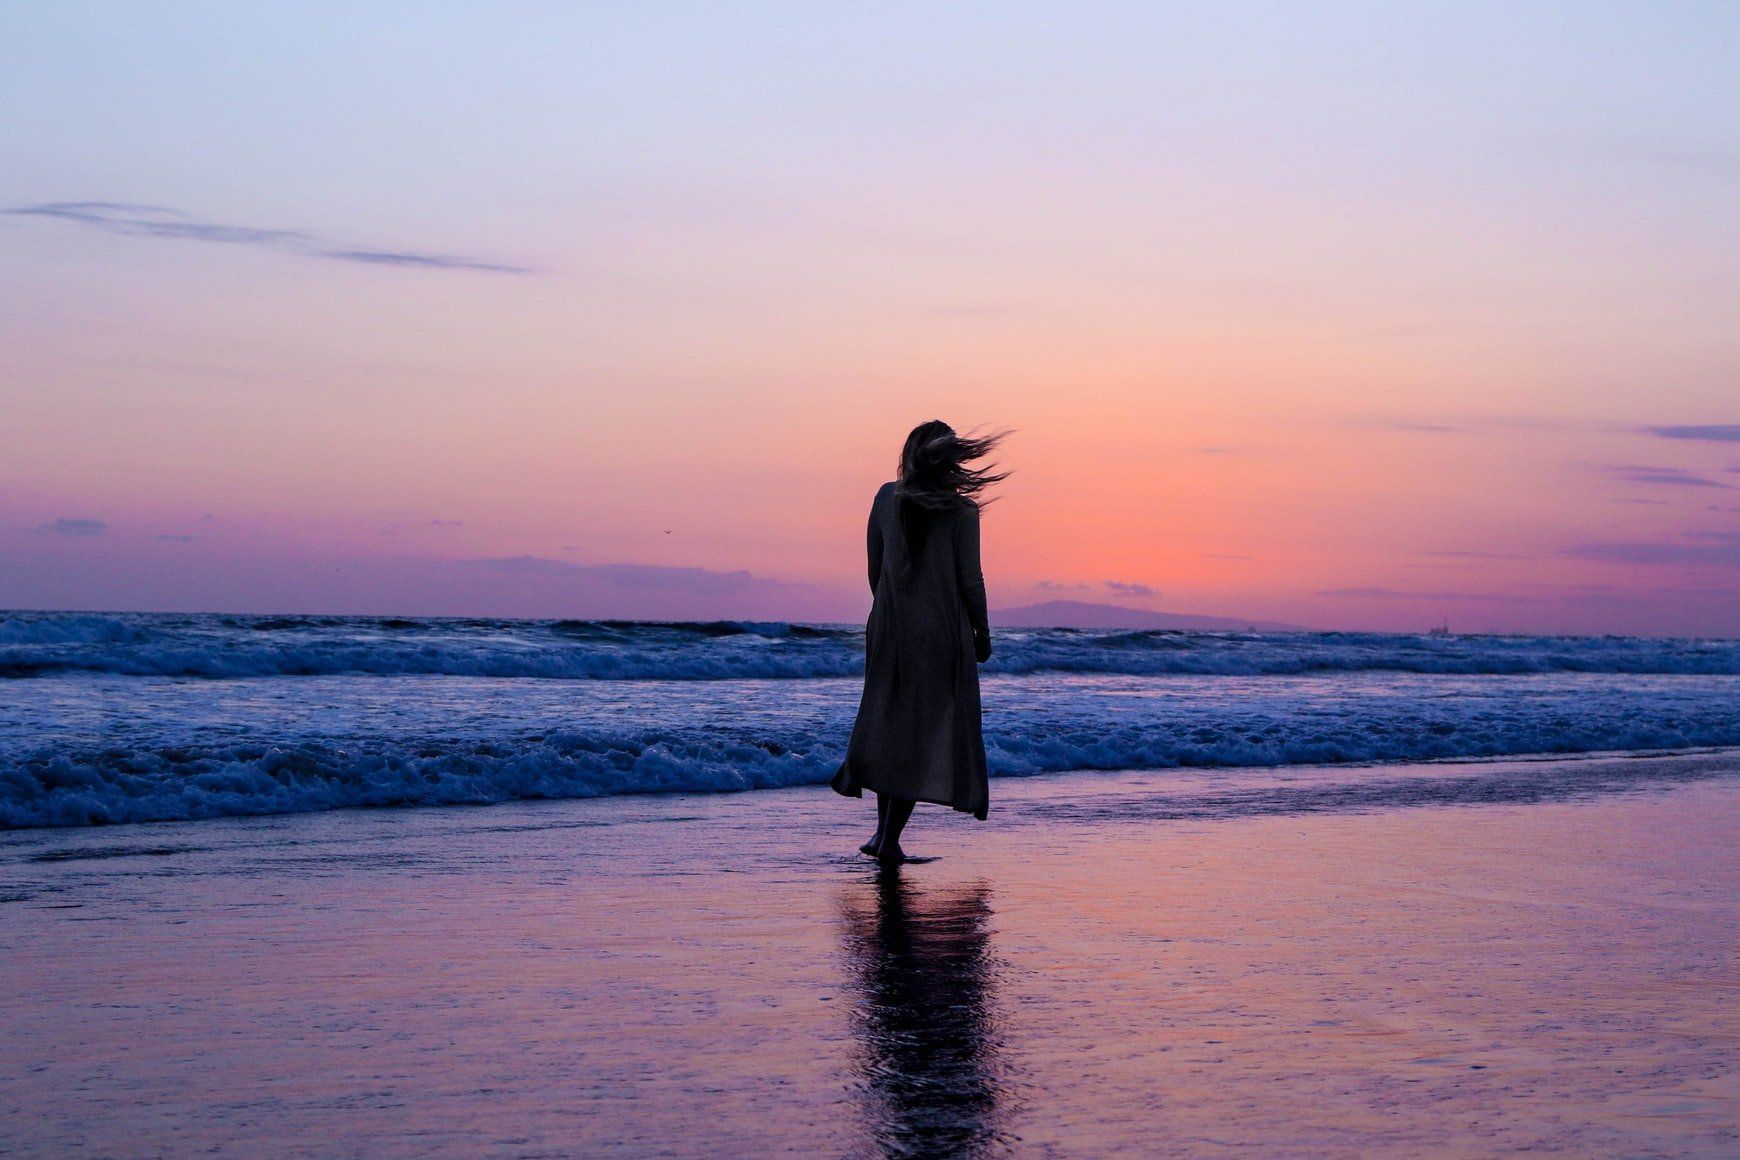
1159, 964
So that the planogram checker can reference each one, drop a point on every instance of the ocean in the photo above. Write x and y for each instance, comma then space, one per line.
115, 718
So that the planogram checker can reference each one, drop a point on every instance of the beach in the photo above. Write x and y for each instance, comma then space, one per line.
1463, 958
483, 486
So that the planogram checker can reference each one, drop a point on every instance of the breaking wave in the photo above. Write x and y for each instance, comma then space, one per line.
231, 647
204, 775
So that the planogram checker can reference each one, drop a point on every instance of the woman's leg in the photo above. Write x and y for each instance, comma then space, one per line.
881, 821
894, 818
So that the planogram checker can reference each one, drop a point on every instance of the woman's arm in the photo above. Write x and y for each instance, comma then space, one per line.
972, 581
874, 545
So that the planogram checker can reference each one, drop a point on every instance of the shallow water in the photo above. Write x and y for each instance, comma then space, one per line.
1307, 961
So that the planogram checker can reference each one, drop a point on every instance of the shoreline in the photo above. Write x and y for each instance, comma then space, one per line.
717, 974
1343, 771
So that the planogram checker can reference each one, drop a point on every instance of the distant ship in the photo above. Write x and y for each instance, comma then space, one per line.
1441, 630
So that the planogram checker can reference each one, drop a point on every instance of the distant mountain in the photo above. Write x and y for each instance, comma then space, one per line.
1080, 614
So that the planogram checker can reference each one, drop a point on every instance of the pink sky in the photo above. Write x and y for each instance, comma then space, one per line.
605, 314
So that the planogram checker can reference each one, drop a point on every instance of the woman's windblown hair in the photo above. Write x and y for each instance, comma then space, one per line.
934, 471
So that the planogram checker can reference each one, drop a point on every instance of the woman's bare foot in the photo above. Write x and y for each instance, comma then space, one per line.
889, 853
870, 846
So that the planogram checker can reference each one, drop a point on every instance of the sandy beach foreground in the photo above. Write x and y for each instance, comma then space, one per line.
1110, 966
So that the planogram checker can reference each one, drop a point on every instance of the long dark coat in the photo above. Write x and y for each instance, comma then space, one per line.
918, 734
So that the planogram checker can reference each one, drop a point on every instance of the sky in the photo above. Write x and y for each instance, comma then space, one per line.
1364, 316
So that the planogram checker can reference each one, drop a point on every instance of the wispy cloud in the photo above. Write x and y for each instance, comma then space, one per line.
1632, 596
638, 577
973, 310
525, 566
150, 221
1055, 586
1707, 159
1712, 162
1482, 424
1695, 549
1714, 432
1129, 588
1400, 594
697, 581
1646, 156
73, 527
1467, 555
1663, 476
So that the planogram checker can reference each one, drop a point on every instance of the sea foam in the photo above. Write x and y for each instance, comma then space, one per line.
397, 750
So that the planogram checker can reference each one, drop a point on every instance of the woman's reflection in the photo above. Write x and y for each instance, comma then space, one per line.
925, 1014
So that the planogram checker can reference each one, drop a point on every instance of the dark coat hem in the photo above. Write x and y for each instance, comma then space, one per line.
847, 788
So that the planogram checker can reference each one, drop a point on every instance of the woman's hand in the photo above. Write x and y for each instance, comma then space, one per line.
982, 647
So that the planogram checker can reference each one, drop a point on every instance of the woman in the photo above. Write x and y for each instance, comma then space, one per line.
917, 737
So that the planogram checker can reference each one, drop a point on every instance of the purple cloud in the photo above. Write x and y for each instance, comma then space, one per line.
1714, 432
151, 221
1054, 586
638, 577
73, 527
1707, 549
695, 581
1123, 588
525, 566
1666, 476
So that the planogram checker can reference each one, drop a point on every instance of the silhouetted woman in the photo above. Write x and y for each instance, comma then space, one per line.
917, 737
